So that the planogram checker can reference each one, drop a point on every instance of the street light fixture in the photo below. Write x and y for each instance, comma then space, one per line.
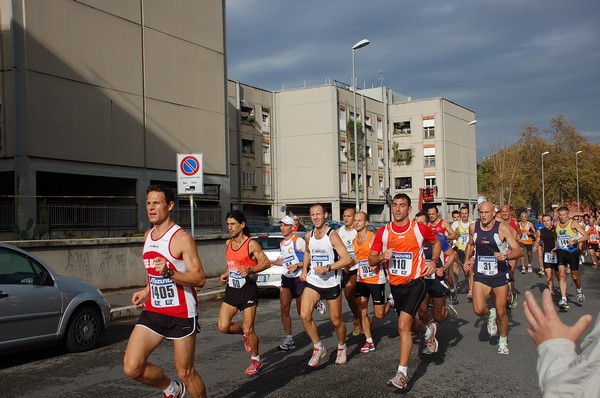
471, 123
543, 193
577, 175
360, 44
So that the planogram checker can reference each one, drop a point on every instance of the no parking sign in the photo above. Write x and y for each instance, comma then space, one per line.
190, 179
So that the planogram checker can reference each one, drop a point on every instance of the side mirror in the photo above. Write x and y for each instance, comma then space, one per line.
46, 279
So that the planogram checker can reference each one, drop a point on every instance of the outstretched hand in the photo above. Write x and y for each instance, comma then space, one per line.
545, 324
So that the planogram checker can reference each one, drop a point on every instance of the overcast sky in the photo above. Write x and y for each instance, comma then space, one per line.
512, 62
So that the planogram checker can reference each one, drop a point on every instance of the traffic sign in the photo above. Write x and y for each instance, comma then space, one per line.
190, 175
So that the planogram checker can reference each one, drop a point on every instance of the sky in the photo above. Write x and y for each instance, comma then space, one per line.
512, 62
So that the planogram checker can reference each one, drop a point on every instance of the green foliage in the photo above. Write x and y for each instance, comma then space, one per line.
350, 139
401, 156
39, 230
513, 174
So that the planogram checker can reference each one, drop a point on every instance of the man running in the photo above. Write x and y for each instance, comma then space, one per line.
505, 217
439, 226
593, 240
436, 286
291, 258
400, 245
488, 240
347, 234
526, 234
245, 259
539, 225
567, 250
370, 280
462, 238
545, 243
171, 260
322, 274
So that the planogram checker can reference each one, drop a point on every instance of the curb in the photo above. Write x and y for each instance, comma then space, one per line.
129, 311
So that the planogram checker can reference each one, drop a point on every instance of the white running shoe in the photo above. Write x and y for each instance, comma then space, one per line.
492, 328
503, 348
318, 357
342, 356
321, 308
432, 343
399, 381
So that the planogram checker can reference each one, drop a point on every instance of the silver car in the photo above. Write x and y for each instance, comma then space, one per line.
271, 277
39, 307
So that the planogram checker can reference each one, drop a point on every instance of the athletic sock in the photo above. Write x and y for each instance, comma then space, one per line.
171, 390
341, 347
370, 340
403, 369
319, 346
256, 358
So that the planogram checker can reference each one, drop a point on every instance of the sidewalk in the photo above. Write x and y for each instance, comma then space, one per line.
120, 299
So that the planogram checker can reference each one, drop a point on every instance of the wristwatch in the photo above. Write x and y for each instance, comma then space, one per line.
170, 273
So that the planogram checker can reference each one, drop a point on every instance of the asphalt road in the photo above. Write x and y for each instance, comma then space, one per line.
467, 364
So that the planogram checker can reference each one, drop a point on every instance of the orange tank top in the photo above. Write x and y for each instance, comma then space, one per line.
362, 251
236, 260
408, 261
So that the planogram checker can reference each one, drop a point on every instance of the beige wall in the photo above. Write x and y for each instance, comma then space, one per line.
89, 66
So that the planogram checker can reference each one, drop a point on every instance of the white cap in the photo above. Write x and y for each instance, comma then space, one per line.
287, 220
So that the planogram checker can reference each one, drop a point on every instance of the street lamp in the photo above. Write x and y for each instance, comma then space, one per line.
471, 123
360, 44
577, 175
543, 193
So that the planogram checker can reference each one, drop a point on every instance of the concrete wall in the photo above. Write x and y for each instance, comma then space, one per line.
115, 262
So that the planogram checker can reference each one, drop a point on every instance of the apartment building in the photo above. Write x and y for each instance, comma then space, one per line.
97, 98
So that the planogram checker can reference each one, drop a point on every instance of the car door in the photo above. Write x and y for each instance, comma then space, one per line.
28, 309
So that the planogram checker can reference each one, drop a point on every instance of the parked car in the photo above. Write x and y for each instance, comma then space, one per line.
329, 223
40, 307
271, 277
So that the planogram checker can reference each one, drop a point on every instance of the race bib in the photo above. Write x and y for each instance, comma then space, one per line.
163, 292
288, 262
463, 239
401, 264
365, 270
432, 276
524, 236
487, 265
563, 242
593, 238
235, 280
550, 257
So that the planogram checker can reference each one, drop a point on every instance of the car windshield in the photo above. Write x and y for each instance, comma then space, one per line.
268, 243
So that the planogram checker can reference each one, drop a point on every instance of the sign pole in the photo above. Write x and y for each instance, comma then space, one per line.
192, 214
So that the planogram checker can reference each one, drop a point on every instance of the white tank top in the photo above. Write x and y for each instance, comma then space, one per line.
348, 237
322, 253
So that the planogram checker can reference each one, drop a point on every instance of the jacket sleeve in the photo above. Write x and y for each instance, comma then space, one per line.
563, 373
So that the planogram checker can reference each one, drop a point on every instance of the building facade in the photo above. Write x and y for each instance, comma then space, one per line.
97, 99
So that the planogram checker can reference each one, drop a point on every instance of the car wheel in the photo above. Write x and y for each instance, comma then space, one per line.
83, 332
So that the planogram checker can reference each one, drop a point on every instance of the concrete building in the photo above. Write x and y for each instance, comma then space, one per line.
98, 97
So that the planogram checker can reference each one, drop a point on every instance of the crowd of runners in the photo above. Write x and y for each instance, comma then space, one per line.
420, 258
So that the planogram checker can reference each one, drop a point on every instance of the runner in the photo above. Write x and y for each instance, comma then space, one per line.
400, 245
347, 233
292, 255
545, 243
370, 280
526, 234
539, 225
452, 272
436, 286
245, 259
593, 241
488, 241
462, 232
171, 260
567, 240
322, 274
439, 226
506, 218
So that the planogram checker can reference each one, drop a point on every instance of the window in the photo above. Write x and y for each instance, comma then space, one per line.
402, 128
342, 118
266, 120
428, 128
429, 161
369, 153
429, 182
247, 147
360, 187
343, 151
403, 182
370, 181
267, 183
368, 123
249, 179
379, 128
266, 152
18, 269
247, 111
380, 158
344, 183
352, 116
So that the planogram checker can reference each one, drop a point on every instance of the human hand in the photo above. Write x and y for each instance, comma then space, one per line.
545, 324
224, 278
139, 297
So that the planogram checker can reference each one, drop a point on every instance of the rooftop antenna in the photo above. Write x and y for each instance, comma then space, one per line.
381, 77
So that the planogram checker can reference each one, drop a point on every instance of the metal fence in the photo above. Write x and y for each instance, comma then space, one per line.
81, 215
7, 214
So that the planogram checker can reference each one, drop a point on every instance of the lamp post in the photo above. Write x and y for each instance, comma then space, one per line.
360, 44
577, 176
471, 123
543, 192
